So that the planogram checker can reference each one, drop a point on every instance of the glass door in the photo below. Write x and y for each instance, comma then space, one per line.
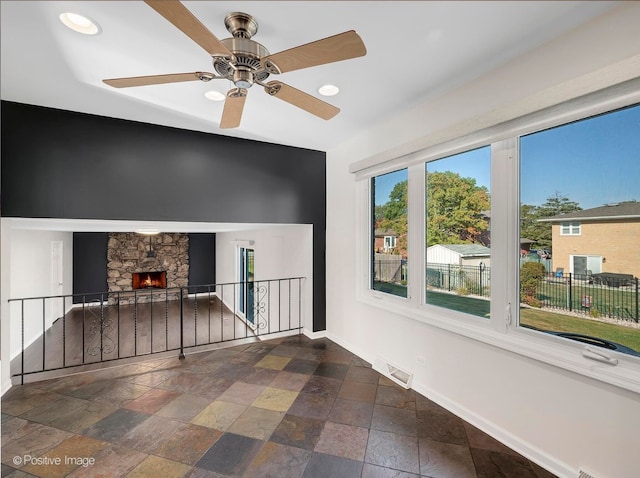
247, 275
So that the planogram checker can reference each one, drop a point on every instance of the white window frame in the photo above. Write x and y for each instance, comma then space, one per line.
570, 228
501, 330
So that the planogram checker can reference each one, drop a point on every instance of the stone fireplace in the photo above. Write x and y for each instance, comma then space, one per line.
146, 264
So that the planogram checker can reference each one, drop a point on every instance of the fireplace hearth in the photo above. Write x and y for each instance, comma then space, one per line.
149, 280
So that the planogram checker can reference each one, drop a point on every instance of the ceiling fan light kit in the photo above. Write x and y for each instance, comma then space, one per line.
245, 62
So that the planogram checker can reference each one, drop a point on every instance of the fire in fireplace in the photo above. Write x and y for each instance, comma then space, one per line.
149, 280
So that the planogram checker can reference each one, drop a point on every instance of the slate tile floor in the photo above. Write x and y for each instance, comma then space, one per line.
289, 407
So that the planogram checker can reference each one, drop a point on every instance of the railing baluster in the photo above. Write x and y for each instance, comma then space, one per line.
222, 313
22, 344
84, 317
195, 316
289, 304
101, 327
64, 339
44, 332
151, 319
135, 323
299, 305
181, 356
118, 305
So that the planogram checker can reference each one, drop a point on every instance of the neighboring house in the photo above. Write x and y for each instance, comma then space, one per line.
601, 239
385, 241
459, 254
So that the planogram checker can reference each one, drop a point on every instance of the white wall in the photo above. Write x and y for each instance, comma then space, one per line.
30, 276
561, 420
280, 252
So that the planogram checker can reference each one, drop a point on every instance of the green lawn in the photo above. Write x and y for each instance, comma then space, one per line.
543, 319
391, 288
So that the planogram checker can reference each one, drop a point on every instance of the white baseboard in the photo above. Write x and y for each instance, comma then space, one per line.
532, 453
314, 335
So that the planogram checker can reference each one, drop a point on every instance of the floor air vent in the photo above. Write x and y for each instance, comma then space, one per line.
393, 372
585, 474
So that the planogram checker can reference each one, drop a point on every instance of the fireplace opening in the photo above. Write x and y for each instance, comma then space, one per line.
149, 280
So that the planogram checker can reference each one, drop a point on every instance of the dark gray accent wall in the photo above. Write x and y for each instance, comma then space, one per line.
89, 264
62, 164
202, 260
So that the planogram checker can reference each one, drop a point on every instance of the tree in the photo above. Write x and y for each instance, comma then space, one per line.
394, 215
540, 232
455, 208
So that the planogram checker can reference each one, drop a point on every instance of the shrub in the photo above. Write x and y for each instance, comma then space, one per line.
462, 291
531, 274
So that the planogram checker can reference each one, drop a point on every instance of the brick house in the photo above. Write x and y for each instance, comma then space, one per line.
600, 239
385, 241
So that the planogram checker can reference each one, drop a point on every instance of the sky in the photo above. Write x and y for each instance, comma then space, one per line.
592, 162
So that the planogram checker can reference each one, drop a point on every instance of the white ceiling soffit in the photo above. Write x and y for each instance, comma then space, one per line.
415, 51
98, 225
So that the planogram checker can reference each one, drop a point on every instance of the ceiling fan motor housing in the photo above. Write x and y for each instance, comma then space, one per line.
247, 54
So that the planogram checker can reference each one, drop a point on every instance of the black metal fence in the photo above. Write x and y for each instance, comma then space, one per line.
464, 280
597, 295
55, 333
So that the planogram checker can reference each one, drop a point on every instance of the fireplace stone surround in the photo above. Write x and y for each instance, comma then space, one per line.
129, 252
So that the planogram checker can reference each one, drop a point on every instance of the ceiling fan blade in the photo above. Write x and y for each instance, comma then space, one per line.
186, 22
343, 46
302, 100
152, 80
233, 106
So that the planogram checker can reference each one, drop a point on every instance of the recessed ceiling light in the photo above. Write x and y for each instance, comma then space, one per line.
215, 95
79, 23
328, 90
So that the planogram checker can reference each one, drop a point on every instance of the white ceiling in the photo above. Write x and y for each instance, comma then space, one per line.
415, 51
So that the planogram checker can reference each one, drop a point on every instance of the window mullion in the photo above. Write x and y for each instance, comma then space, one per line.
504, 233
416, 218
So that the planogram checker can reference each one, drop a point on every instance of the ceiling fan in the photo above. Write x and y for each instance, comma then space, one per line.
245, 62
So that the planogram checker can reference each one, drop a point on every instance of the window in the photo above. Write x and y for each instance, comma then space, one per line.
246, 275
458, 240
389, 243
588, 290
570, 228
556, 269
389, 253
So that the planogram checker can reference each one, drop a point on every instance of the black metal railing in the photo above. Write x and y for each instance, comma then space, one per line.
76, 330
